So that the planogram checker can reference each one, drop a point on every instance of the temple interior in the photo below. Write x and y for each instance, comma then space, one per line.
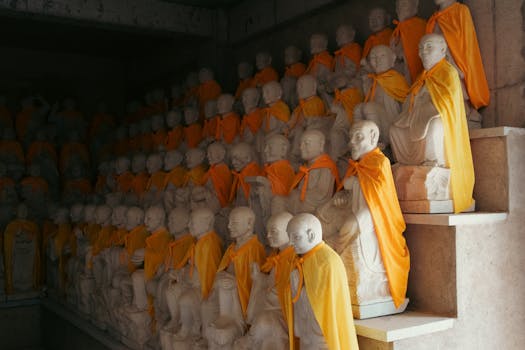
262, 174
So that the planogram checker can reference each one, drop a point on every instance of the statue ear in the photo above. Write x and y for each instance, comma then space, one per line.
374, 136
310, 235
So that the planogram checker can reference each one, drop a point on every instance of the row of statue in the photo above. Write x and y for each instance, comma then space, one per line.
274, 230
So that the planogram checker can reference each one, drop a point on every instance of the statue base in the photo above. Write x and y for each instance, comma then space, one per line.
376, 309
422, 183
431, 207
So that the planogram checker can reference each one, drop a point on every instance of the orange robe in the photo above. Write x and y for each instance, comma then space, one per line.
228, 127
176, 177
155, 253
159, 138
310, 107
146, 142
210, 127
101, 122
157, 181
348, 99
281, 176
61, 237
239, 182
139, 183
37, 184
118, 237
191, 95
410, 32
243, 85
73, 150
178, 251
174, 138
82, 186
6, 117
221, 178
37, 148
206, 256
380, 38
458, 29
135, 239
252, 121
377, 183
351, 51
242, 259
265, 75
193, 135
208, 90
322, 58
279, 110
124, 182
196, 176
392, 82
323, 161
12, 147
296, 70
22, 120
103, 240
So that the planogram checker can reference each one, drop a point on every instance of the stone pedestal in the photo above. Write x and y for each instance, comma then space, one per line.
369, 310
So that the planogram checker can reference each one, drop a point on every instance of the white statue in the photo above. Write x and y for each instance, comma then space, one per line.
277, 114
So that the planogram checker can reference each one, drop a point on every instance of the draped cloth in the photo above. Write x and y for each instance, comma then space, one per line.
138, 185
323, 161
458, 29
177, 251
278, 110
348, 99
176, 177
157, 181
252, 121
351, 51
320, 59
443, 84
409, 32
295, 70
125, 182
221, 178
281, 176
323, 274
377, 184
243, 85
193, 135
242, 259
196, 176
239, 182
392, 82
155, 253
135, 239
209, 90
174, 138
205, 255
31, 229
380, 38
159, 138
228, 127
210, 127
264, 76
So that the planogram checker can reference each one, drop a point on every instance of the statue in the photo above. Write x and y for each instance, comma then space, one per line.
141, 176
176, 130
314, 183
124, 177
229, 124
405, 38
348, 56
31, 117
322, 307
209, 88
250, 129
211, 121
159, 133
196, 169
378, 21
265, 72
454, 22
277, 114
246, 80
192, 90
292, 59
156, 182
193, 130
432, 132
177, 98
144, 138
244, 165
322, 62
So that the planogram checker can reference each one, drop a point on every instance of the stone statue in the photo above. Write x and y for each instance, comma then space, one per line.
175, 133
321, 62
322, 307
159, 133
277, 114
211, 120
265, 72
193, 130
245, 73
378, 21
156, 182
229, 124
209, 88
140, 179
348, 56
250, 129
244, 164
293, 71
175, 177
434, 136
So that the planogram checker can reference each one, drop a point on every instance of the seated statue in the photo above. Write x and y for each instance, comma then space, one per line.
195, 167
12, 154
159, 133
193, 130
246, 80
322, 311
364, 224
244, 164
175, 177
209, 88
432, 129
270, 311
250, 130
348, 56
211, 121
176, 130
277, 114
140, 179
294, 70
322, 62
229, 123
156, 182
265, 72
378, 21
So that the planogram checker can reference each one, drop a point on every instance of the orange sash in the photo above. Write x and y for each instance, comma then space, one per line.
239, 181
8, 147
157, 181
82, 186
252, 121
394, 84
379, 38
228, 127
410, 32
176, 176
209, 90
322, 58
348, 98
135, 239
352, 51
206, 256
125, 182
159, 138
296, 70
138, 185
174, 138
210, 127
279, 110
221, 178
193, 135
196, 176
177, 251
323, 161
281, 176
243, 85
37, 184
155, 253
266, 75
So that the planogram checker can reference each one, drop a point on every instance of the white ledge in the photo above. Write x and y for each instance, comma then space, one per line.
475, 218
495, 132
402, 326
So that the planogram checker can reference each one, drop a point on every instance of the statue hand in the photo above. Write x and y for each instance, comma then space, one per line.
341, 199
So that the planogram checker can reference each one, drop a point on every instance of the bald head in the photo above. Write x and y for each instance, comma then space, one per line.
432, 49
276, 229
241, 222
241, 155
272, 92
276, 147
134, 217
305, 232
312, 144
201, 221
364, 135
216, 153
178, 219
378, 19
381, 58
318, 43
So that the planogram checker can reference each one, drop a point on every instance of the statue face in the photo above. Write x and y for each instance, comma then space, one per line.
301, 237
103, 215
210, 109
262, 60
134, 218
241, 157
274, 150
205, 75
191, 115
118, 217
139, 163
344, 35
244, 70
154, 163
216, 153
225, 104
381, 58
77, 212
311, 146
318, 43
406, 9
201, 221
250, 99
272, 92
153, 219
291, 55
173, 118
377, 20
306, 87
239, 224
178, 221
172, 159
432, 49
361, 141
194, 157
277, 235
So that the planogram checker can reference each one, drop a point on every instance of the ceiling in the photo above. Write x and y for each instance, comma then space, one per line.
206, 3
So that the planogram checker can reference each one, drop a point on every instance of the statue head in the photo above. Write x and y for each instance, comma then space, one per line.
191, 115
154, 163
178, 219
205, 74
276, 229
134, 217
272, 92
432, 49
250, 99
312, 144
122, 165
157, 122
173, 118
381, 58
103, 215
245, 70
61, 216
216, 153
172, 159
378, 19
443, 4
192, 80
138, 163
276, 147
154, 218
345, 34
89, 213
364, 135
262, 60
241, 222
77, 212
318, 43
241, 155
305, 232
292, 55
118, 217
406, 9
201, 221
195, 157
210, 109
225, 104
306, 86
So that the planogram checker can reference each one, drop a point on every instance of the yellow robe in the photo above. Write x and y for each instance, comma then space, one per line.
196, 176
242, 259
392, 82
206, 257
279, 110
323, 274
135, 239
348, 98
176, 177
157, 181
221, 178
155, 254
178, 251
